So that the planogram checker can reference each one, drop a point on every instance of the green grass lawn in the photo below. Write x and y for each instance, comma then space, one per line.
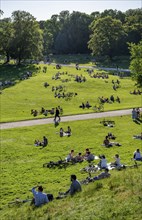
18, 100
118, 197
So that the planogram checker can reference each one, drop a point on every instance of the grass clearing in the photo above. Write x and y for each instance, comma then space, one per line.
118, 197
18, 100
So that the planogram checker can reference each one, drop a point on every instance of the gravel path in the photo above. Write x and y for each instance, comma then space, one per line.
65, 119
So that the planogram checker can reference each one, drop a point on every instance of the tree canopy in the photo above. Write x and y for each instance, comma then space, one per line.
102, 33
136, 63
106, 36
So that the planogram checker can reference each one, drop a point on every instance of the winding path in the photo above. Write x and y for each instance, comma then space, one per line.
65, 119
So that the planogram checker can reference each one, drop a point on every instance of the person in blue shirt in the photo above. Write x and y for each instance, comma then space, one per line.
40, 198
74, 187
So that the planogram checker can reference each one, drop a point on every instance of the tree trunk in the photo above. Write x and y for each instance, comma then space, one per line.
7, 57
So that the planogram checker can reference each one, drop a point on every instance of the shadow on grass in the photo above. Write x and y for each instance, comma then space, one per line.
13, 73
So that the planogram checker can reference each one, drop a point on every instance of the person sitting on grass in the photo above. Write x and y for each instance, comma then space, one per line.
79, 157
70, 156
102, 175
68, 132
111, 136
89, 157
74, 187
82, 106
88, 105
107, 143
116, 163
44, 142
40, 198
138, 136
137, 155
103, 162
61, 132
86, 153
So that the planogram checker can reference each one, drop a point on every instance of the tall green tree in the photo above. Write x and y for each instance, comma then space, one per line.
105, 37
136, 63
74, 34
27, 40
133, 25
50, 32
6, 36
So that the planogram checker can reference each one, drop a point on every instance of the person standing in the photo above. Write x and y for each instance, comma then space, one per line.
134, 114
57, 114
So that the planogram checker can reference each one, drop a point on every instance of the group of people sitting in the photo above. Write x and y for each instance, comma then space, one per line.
41, 198
136, 92
87, 105
27, 75
42, 143
43, 111
80, 78
116, 84
108, 100
65, 133
88, 156
100, 76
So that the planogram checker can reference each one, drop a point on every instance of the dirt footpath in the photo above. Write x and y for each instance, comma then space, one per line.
64, 119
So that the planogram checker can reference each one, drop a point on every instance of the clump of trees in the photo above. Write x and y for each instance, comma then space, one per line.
106, 33
136, 62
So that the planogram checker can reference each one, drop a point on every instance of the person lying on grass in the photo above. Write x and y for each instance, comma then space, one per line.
107, 143
102, 175
139, 136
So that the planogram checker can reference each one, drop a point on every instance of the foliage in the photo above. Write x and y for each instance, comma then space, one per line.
69, 33
136, 63
27, 41
6, 36
106, 34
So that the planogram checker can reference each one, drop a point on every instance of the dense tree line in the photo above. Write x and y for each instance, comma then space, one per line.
107, 33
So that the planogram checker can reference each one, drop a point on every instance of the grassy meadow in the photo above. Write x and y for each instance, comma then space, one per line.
118, 197
18, 100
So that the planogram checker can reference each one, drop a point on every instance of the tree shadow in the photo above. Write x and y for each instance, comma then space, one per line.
13, 73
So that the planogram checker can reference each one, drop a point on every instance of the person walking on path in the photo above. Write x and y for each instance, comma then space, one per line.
57, 115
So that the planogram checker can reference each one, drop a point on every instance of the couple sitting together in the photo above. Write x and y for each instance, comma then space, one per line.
65, 133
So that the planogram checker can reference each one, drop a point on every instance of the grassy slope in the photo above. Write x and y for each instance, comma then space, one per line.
119, 197
18, 100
